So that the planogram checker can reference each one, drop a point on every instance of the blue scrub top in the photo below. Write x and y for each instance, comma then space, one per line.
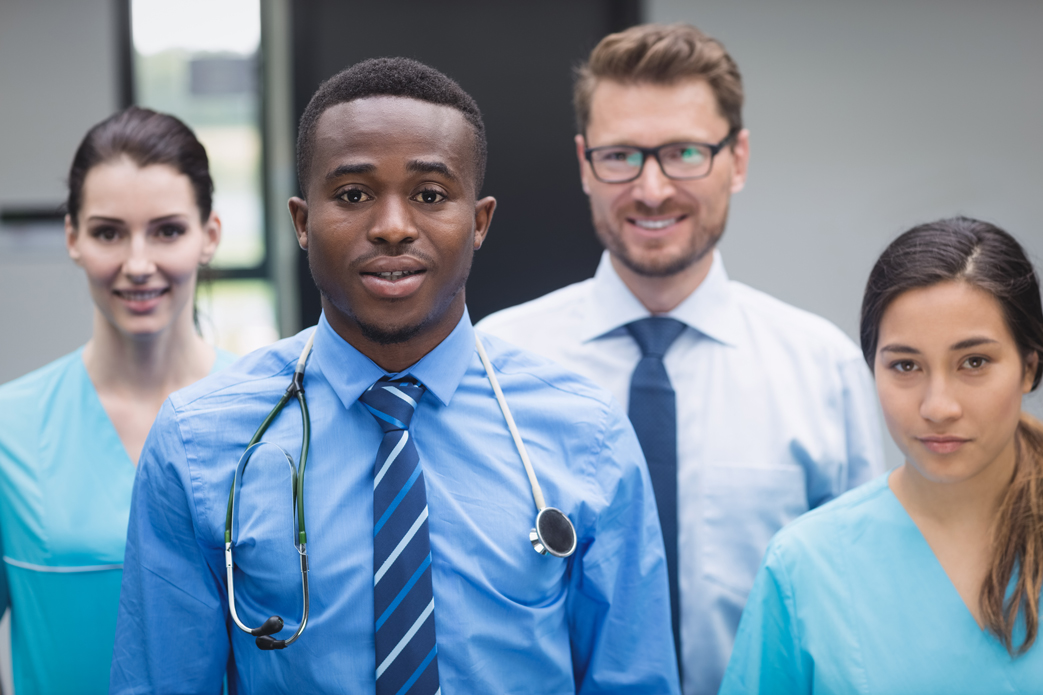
65, 484
851, 599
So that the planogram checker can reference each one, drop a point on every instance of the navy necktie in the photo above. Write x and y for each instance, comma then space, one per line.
403, 600
653, 412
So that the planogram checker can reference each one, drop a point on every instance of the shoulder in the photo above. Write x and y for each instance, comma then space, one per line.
818, 532
237, 377
792, 326
34, 389
535, 314
46, 376
528, 371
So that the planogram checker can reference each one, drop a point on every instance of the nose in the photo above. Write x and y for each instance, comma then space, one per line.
393, 223
652, 187
138, 265
939, 402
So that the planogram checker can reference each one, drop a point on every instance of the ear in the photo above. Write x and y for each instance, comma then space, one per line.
211, 238
584, 166
483, 217
299, 214
70, 241
1031, 365
740, 159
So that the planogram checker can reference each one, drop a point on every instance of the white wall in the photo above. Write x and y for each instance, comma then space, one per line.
57, 78
867, 118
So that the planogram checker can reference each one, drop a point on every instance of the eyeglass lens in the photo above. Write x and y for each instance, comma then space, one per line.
681, 160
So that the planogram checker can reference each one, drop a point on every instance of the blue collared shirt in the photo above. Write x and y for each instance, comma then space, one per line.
776, 414
507, 619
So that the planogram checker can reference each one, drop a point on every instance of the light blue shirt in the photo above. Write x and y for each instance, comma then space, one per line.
851, 599
776, 414
507, 619
65, 488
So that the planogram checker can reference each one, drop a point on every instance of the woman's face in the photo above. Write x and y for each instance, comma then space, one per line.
950, 379
140, 240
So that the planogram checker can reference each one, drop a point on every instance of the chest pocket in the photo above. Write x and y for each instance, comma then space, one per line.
742, 508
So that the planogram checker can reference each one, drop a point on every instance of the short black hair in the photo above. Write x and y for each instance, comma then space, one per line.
399, 77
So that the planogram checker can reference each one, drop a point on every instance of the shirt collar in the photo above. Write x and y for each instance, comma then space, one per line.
709, 309
350, 372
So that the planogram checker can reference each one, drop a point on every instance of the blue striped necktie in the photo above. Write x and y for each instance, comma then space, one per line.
653, 412
403, 601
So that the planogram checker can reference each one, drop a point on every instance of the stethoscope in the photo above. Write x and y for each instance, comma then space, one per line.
553, 532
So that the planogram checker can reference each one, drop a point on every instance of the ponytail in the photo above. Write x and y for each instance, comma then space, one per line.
1018, 546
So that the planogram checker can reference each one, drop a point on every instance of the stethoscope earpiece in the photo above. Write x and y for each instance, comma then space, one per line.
554, 533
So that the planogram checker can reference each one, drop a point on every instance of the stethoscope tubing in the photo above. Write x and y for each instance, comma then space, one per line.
296, 388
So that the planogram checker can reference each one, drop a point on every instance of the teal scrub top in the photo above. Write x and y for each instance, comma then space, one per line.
851, 599
65, 484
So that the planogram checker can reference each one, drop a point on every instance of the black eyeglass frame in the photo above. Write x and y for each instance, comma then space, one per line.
647, 152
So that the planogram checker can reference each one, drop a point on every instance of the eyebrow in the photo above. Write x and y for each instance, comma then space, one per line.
175, 217
962, 345
424, 167
972, 342
905, 349
346, 169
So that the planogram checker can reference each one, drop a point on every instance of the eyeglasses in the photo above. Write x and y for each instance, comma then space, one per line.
677, 160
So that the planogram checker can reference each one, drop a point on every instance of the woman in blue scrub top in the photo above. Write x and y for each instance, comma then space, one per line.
140, 224
926, 580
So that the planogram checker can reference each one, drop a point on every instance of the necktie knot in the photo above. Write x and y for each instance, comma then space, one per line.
393, 401
655, 334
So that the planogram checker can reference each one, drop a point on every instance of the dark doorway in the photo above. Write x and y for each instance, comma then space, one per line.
516, 60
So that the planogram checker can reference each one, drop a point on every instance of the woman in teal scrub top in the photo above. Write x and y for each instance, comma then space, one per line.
140, 224
926, 580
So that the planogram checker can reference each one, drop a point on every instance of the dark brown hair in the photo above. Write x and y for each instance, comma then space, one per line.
660, 54
983, 255
147, 138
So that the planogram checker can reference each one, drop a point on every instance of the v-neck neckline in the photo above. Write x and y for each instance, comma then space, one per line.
934, 563
112, 431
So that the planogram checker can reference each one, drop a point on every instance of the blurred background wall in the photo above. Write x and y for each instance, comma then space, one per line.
865, 119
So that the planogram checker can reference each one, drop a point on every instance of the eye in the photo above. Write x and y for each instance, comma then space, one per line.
692, 155
354, 195
170, 231
904, 366
975, 362
105, 233
430, 196
621, 155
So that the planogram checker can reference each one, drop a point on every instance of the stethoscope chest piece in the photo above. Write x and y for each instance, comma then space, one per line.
553, 534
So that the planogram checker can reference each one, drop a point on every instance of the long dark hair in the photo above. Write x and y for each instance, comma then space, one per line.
983, 255
146, 137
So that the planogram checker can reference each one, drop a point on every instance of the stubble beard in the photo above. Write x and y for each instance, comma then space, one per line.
700, 243
394, 335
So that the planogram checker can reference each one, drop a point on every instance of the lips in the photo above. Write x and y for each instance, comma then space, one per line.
655, 225
140, 295
393, 277
141, 300
943, 444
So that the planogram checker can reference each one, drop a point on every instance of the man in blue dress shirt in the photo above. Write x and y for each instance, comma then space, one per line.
391, 155
750, 411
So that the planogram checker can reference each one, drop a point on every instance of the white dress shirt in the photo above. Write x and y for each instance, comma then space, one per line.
776, 414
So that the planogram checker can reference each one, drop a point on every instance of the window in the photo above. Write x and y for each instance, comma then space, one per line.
198, 60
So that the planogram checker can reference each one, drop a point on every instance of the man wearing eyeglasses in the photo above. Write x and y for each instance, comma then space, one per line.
750, 412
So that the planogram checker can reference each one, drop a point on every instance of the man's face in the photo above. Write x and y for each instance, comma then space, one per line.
390, 222
654, 225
